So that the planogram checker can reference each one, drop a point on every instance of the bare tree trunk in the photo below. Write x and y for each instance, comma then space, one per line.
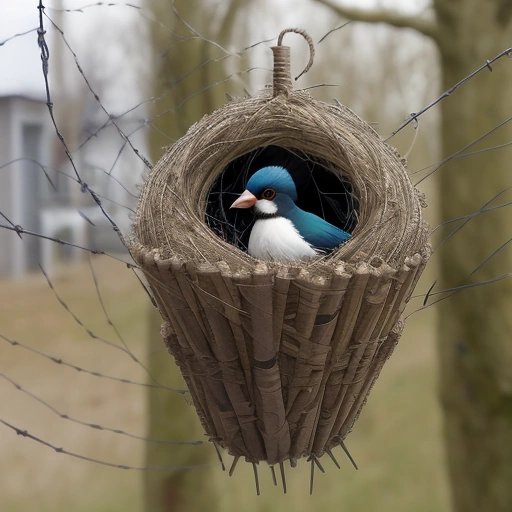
169, 417
186, 86
475, 328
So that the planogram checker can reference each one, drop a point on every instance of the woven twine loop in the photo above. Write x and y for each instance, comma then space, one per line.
282, 80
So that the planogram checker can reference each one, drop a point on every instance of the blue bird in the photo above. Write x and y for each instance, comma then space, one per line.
283, 231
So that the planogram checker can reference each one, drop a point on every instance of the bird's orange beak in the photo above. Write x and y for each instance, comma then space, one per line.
246, 200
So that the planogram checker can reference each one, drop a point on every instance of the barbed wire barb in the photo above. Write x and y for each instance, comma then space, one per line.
25, 433
20, 230
485, 66
93, 373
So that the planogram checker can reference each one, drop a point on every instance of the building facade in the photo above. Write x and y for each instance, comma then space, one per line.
32, 194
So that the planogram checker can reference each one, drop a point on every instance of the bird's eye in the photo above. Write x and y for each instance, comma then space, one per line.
268, 194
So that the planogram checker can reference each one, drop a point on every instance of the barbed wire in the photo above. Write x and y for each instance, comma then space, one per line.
146, 122
85, 7
486, 66
450, 292
95, 426
20, 230
16, 36
93, 373
45, 57
59, 449
461, 152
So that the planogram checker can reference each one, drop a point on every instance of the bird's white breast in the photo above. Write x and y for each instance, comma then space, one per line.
278, 239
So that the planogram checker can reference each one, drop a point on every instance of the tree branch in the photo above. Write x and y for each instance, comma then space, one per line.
423, 26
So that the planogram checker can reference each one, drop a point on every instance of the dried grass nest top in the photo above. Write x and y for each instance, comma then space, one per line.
171, 212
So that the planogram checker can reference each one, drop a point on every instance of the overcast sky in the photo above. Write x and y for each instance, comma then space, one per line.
100, 37
20, 61
19, 58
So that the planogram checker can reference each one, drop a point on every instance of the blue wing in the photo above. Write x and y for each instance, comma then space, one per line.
316, 231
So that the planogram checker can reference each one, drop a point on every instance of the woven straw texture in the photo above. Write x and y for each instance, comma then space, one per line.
279, 358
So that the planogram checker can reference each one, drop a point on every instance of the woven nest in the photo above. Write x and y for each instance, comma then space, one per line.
279, 358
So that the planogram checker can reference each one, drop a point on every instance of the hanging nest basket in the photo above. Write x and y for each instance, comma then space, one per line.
279, 358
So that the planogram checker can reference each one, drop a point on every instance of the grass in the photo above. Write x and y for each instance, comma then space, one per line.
34, 477
397, 440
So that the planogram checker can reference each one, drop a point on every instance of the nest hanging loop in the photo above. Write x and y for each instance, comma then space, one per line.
282, 81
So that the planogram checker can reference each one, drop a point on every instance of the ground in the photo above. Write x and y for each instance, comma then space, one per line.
397, 440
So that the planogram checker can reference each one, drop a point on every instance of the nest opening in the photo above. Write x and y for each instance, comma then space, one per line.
320, 191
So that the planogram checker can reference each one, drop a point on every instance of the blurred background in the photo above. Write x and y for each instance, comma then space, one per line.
100, 410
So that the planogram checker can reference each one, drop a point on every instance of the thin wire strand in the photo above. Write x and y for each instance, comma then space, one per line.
112, 324
25, 433
93, 373
45, 57
95, 426
15, 36
486, 66
20, 230
80, 323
